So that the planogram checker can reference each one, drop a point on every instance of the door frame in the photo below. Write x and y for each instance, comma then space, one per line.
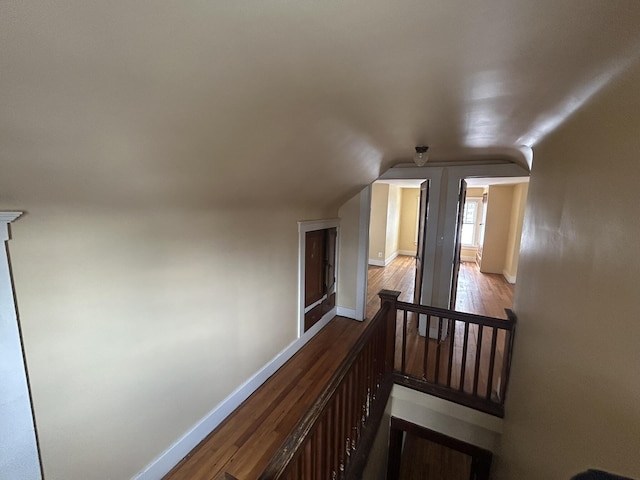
19, 446
480, 458
303, 228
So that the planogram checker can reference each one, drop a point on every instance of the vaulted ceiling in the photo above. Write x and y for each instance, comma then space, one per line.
200, 103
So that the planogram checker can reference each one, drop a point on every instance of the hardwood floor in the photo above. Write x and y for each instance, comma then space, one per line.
479, 293
426, 460
245, 442
399, 275
482, 293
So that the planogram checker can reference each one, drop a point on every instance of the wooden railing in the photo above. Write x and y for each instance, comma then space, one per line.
462, 357
332, 440
458, 356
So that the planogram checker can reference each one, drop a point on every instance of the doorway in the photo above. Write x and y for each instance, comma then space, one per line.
394, 239
416, 452
489, 229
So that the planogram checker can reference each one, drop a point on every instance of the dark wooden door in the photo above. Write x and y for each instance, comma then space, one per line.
456, 252
330, 258
423, 210
314, 286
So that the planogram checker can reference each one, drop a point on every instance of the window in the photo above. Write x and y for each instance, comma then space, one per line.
471, 222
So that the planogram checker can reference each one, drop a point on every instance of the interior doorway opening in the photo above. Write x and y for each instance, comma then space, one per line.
488, 242
489, 230
394, 237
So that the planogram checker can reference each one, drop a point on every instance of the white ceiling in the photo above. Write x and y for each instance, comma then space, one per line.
196, 103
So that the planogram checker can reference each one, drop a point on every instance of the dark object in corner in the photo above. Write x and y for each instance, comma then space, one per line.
598, 475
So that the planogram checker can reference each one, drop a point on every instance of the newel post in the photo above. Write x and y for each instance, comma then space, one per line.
390, 297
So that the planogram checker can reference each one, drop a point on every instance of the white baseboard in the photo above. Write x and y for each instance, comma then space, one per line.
470, 258
410, 253
509, 278
377, 263
391, 258
347, 312
168, 459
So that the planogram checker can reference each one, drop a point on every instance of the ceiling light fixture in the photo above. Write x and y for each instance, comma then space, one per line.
421, 156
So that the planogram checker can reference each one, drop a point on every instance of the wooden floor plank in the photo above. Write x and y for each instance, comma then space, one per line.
245, 442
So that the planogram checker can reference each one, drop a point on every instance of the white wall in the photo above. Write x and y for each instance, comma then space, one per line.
512, 257
353, 251
378, 225
574, 399
137, 324
393, 223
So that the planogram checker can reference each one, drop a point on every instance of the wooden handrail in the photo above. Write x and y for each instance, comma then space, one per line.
332, 440
328, 434
505, 324
468, 361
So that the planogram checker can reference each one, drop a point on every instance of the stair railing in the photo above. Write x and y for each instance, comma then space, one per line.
462, 357
342, 422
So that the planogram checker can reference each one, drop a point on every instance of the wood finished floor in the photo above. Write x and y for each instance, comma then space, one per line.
244, 443
426, 460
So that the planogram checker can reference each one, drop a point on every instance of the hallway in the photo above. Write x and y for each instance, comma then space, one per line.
480, 293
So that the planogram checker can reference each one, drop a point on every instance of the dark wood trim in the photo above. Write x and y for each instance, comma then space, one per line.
446, 393
506, 366
359, 458
298, 436
504, 324
480, 458
394, 459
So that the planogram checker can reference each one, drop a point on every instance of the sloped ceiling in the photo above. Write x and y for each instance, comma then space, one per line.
195, 104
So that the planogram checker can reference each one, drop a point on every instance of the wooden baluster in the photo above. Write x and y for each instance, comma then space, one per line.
492, 362
404, 342
465, 345
476, 373
390, 297
438, 347
506, 364
425, 360
333, 451
320, 451
353, 405
349, 418
452, 341
310, 447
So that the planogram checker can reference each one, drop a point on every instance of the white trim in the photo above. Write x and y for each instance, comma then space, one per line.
391, 258
346, 312
305, 226
5, 219
467, 258
443, 204
509, 278
8, 217
362, 266
168, 459
18, 444
386, 262
315, 304
408, 253
462, 423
